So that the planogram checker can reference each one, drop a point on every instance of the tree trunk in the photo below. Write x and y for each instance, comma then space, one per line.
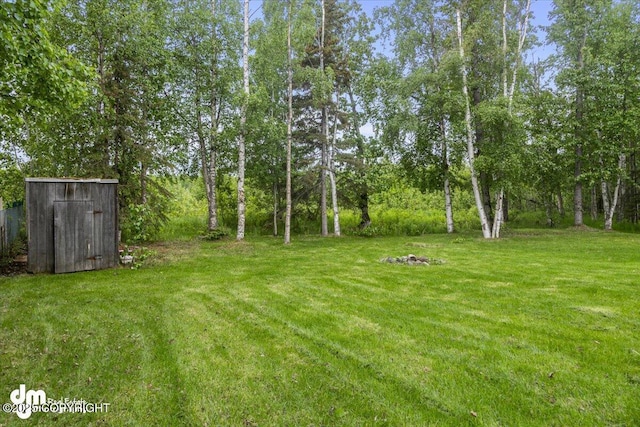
448, 205
209, 170
508, 93
324, 164
332, 176
497, 222
275, 209
287, 216
548, 211
363, 190
485, 187
594, 203
334, 196
243, 125
560, 204
103, 140
486, 231
610, 207
143, 184
577, 171
505, 208
212, 193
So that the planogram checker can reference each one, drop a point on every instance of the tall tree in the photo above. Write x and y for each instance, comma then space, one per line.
611, 103
574, 21
420, 128
509, 88
124, 129
287, 223
204, 69
322, 69
243, 124
495, 144
484, 222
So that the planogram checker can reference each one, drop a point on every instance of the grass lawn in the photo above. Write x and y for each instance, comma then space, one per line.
535, 329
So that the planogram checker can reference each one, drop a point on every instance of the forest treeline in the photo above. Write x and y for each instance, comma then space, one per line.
142, 90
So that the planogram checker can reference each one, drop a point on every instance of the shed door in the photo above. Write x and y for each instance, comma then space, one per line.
73, 236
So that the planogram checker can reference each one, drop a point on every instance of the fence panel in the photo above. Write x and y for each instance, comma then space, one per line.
10, 221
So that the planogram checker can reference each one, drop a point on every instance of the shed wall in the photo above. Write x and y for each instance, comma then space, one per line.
40, 197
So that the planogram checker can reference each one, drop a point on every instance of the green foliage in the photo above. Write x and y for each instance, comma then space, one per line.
137, 228
12, 179
217, 234
36, 75
399, 210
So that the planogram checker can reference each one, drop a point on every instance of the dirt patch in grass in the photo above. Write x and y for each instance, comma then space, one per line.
166, 252
14, 265
237, 247
12, 268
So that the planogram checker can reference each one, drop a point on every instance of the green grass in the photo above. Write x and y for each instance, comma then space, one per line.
539, 328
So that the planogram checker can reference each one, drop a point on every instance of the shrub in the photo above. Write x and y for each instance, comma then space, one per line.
216, 234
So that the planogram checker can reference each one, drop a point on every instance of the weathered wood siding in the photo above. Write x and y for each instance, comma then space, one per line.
73, 230
41, 197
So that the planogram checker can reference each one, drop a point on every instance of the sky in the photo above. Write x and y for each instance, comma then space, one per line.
539, 8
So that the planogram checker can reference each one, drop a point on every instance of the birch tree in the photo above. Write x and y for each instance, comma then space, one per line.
484, 223
287, 220
243, 124
495, 135
203, 72
574, 22
509, 91
613, 104
420, 127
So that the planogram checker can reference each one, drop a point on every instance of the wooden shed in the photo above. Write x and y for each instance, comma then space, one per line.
72, 224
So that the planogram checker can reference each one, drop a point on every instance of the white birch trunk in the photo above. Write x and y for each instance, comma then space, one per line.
243, 125
486, 232
497, 222
523, 35
212, 190
508, 92
208, 170
275, 209
504, 49
448, 205
287, 216
610, 207
324, 164
325, 133
332, 178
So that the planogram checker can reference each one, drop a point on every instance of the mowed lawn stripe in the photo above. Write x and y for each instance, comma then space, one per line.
537, 329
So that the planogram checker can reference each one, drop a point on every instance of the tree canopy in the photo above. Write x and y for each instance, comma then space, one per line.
143, 89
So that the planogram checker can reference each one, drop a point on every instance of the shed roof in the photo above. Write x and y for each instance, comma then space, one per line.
96, 180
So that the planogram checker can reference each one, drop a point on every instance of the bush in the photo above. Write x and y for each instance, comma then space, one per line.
216, 234
140, 225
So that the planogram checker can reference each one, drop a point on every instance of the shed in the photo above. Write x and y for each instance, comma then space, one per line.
72, 224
